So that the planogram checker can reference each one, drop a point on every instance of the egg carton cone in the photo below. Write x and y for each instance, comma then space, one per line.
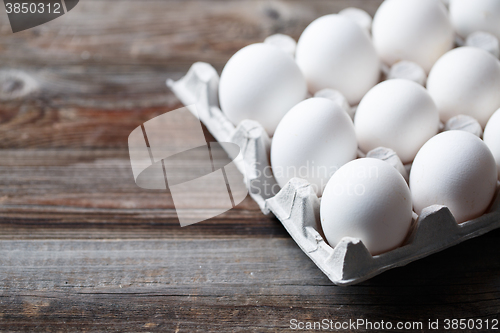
296, 205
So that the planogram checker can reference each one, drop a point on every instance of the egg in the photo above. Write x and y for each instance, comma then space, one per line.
414, 30
397, 114
492, 137
314, 139
455, 169
479, 15
260, 82
335, 52
367, 199
466, 81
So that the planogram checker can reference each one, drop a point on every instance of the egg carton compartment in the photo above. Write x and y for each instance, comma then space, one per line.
296, 205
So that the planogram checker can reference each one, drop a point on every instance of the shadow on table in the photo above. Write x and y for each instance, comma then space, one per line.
460, 282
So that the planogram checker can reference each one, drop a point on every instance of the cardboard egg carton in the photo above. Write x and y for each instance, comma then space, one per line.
297, 206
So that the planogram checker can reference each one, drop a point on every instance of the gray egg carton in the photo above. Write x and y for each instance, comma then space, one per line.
297, 206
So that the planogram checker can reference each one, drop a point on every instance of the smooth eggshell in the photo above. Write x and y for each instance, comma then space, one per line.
492, 137
260, 82
466, 81
414, 30
335, 52
397, 114
477, 15
313, 140
367, 199
455, 169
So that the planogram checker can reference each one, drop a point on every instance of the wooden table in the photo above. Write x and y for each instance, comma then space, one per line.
83, 248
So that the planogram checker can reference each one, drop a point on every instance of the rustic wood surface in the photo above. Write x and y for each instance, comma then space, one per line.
83, 248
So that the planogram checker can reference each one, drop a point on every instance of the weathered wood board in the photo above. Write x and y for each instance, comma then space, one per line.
83, 248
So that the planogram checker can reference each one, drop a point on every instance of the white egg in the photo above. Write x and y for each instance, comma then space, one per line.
335, 52
492, 137
466, 81
367, 199
455, 169
414, 30
478, 15
397, 114
260, 82
313, 140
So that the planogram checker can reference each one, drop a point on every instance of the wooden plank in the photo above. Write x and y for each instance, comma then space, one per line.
229, 285
171, 34
39, 124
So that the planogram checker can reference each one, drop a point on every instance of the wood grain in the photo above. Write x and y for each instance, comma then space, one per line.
207, 285
168, 34
84, 249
